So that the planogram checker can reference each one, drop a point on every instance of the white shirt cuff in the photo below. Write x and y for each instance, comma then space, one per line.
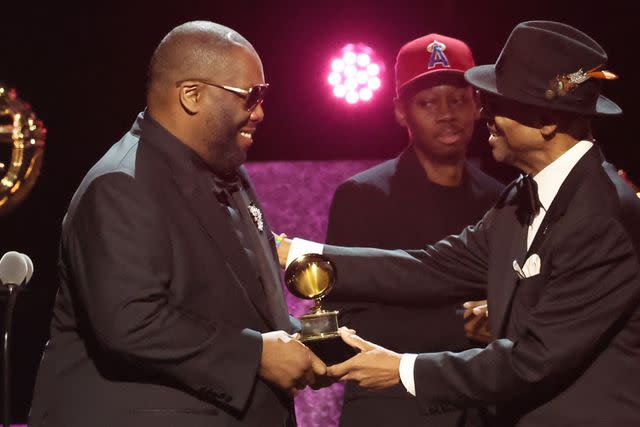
406, 372
302, 247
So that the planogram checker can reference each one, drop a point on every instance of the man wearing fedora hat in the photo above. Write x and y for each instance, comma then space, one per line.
556, 257
428, 192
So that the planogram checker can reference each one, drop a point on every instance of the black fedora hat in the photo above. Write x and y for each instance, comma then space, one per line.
536, 59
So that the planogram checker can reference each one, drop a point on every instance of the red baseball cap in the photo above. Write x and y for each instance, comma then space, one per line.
431, 55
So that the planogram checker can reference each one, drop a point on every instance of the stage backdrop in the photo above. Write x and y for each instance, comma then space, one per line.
296, 197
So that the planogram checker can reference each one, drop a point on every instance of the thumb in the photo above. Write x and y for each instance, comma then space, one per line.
318, 366
341, 369
481, 309
472, 304
355, 341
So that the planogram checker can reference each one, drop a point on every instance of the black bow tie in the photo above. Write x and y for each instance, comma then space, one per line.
230, 185
527, 199
223, 188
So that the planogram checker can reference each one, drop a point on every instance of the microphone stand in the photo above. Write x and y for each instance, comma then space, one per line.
8, 320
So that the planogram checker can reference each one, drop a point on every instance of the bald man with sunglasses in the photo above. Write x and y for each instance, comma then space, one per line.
170, 310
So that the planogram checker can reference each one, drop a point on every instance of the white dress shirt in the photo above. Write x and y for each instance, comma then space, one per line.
549, 180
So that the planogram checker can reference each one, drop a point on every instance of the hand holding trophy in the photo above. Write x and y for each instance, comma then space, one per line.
312, 276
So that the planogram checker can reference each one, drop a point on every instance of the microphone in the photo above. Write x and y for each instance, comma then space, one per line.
29, 268
14, 268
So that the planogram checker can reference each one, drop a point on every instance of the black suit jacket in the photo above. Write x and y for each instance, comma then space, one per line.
568, 339
158, 316
394, 205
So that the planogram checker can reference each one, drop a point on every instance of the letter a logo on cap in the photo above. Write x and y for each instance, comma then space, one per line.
437, 55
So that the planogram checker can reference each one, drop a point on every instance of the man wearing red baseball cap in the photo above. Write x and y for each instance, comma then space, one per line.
426, 193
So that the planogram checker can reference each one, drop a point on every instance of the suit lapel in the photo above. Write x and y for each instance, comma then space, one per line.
591, 161
251, 193
199, 197
506, 278
216, 222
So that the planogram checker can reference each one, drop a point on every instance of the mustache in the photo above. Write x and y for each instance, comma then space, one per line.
448, 129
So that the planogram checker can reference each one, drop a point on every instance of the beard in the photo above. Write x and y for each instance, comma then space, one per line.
220, 142
443, 155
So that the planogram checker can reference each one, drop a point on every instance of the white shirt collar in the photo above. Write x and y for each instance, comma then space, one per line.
551, 177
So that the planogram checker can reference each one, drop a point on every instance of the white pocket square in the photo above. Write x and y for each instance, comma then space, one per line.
531, 267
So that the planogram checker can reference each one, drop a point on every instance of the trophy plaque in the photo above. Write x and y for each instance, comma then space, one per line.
312, 277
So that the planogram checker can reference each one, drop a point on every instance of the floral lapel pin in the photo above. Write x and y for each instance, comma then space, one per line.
256, 215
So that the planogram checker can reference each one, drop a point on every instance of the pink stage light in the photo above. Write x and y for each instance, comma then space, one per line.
355, 74
351, 83
340, 91
373, 69
352, 97
337, 65
363, 59
362, 77
349, 57
335, 78
374, 83
350, 70
366, 94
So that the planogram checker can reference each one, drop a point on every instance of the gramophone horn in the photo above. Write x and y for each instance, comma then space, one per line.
310, 276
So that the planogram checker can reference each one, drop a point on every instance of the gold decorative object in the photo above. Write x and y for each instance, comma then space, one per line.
23, 135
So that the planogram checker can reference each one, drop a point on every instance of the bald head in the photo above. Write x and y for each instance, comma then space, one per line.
191, 50
185, 95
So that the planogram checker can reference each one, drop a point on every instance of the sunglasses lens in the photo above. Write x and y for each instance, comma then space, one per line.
256, 96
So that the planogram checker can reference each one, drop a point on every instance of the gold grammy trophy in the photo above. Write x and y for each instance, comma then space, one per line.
312, 276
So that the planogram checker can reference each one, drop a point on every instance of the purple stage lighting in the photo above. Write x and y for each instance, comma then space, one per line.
355, 74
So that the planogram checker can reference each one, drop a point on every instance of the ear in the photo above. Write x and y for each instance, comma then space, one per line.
548, 131
399, 111
477, 109
548, 126
190, 96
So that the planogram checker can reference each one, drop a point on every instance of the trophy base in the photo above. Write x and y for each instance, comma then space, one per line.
330, 348
320, 334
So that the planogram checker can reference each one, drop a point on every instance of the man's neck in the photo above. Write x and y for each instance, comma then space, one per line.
180, 131
168, 121
448, 174
549, 152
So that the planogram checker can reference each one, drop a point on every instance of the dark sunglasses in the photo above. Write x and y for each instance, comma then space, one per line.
253, 97
496, 106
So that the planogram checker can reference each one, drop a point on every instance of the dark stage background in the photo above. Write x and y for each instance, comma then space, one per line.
83, 70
